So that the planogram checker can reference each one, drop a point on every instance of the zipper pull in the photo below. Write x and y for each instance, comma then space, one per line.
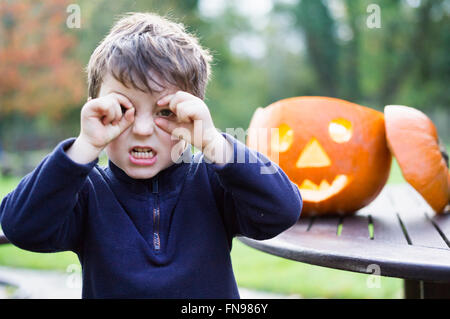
155, 185
156, 216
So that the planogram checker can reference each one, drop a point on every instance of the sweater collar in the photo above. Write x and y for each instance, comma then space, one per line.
165, 181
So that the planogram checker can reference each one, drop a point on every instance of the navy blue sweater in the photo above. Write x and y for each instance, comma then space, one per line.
165, 237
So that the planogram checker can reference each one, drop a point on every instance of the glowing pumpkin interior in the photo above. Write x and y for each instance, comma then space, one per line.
314, 155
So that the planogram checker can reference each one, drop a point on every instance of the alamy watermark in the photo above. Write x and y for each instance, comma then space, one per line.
373, 21
374, 280
74, 279
261, 152
73, 20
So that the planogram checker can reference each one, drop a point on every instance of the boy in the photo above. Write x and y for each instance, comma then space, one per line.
158, 222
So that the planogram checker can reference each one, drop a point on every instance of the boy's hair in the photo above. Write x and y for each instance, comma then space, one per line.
142, 45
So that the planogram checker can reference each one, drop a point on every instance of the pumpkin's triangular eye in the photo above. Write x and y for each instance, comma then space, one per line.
340, 130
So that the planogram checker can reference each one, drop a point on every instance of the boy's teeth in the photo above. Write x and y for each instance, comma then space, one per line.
142, 154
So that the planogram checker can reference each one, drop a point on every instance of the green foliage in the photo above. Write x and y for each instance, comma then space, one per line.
309, 47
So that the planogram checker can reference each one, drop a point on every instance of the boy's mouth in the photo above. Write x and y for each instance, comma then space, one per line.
142, 155
142, 152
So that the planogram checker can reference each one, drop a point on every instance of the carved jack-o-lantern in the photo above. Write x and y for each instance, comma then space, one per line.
334, 150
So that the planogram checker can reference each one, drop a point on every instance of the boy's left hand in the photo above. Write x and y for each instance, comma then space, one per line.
193, 123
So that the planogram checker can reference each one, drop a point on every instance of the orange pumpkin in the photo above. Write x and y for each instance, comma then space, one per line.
448, 182
334, 150
413, 139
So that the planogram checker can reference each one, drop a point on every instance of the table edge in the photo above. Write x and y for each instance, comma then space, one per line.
314, 254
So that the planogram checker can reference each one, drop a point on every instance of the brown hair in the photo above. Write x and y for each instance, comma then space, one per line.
144, 49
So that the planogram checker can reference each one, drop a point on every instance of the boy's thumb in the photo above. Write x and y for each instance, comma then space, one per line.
165, 125
127, 119
129, 115
177, 130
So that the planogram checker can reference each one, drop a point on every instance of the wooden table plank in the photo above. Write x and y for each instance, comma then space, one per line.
301, 227
325, 225
356, 226
412, 210
386, 226
442, 223
303, 223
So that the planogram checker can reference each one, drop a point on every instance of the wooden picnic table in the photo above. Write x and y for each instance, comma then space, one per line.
397, 235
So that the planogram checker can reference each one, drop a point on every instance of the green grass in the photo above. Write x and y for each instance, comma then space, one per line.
7, 184
395, 176
16, 257
253, 269
261, 271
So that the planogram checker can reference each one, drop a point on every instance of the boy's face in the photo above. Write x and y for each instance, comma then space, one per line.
130, 150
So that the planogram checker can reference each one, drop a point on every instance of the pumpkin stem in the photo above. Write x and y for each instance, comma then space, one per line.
443, 152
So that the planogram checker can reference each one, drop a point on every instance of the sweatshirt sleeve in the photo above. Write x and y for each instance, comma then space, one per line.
45, 211
256, 197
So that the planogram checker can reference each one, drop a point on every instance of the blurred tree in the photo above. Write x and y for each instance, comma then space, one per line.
408, 55
406, 61
37, 73
351, 88
318, 26
307, 47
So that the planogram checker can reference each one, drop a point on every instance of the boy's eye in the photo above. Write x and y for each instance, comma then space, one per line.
165, 112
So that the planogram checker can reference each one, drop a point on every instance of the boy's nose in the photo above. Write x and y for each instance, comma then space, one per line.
143, 126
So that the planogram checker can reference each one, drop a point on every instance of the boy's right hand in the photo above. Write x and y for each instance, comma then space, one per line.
102, 121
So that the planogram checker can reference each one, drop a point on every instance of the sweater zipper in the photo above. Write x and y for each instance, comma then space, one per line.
156, 217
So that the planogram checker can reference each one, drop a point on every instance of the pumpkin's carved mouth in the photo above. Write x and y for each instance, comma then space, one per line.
311, 192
